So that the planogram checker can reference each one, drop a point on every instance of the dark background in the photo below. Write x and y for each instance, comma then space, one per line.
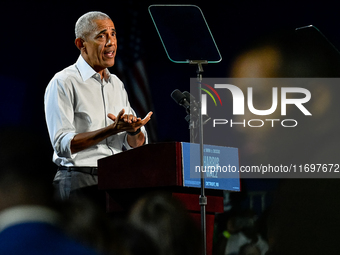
37, 40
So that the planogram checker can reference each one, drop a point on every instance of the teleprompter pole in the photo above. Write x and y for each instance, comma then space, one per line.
202, 199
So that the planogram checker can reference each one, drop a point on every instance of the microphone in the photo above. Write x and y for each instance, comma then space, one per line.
190, 98
194, 105
188, 101
181, 99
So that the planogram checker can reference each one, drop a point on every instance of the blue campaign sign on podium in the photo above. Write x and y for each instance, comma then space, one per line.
221, 167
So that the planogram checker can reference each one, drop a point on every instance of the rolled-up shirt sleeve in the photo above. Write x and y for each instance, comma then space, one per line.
59, 115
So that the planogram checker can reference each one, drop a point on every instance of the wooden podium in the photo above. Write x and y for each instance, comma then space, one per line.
154, 167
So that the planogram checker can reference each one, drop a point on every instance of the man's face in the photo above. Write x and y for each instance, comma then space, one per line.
101, 45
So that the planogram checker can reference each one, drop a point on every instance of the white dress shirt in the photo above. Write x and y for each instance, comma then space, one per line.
77, 101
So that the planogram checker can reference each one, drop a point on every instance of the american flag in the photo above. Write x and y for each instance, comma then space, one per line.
131, 67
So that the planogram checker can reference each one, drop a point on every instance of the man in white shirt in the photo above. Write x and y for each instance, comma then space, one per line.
85, 108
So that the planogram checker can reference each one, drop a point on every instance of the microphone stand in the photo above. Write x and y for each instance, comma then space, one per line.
202, 199
191, 119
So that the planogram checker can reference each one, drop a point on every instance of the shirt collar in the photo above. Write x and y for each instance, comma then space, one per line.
86, 71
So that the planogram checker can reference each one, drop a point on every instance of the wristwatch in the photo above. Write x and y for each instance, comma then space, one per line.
134, 133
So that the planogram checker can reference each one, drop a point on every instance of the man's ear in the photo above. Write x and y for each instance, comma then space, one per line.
79, 43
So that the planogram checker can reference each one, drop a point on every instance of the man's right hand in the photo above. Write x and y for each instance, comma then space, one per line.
128, 123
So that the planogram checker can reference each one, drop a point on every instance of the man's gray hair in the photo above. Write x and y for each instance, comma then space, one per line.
85, 24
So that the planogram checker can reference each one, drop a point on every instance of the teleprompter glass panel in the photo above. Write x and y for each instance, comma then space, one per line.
184, 33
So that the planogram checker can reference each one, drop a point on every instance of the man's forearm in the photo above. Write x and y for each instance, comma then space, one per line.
85, 140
